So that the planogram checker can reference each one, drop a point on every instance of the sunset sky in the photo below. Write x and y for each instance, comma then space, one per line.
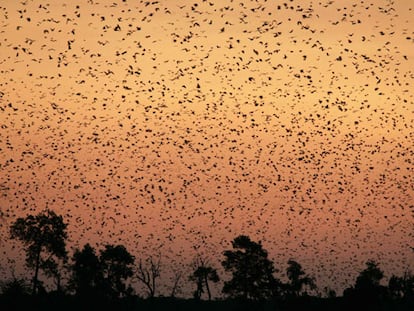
174, 126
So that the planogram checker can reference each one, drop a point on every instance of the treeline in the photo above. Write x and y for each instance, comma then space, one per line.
103, 278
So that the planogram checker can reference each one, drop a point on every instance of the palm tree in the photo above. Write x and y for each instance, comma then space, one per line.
202, 274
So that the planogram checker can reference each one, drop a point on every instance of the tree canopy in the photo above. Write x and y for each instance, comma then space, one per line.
202, 274
87, 274
297, 279
41, 234
117, 266
252, 270
371, 276
104, 276
402, 286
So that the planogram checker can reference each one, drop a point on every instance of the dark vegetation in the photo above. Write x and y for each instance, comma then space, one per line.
102, 280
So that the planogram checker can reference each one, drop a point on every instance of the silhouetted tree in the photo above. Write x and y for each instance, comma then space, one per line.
3, 188
87, 274
202, 274
15, 294
176, 279
367, 290
370, 277
148, 274
396, 287
42, 234
116, 264
15, 288
54, 268
401, 287
297, 279
252, 271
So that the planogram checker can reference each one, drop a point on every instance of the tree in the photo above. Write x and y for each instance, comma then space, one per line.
148, 274
370, 277
87, 275
396, 287
43, 235
54, 268
297, 279
367, 290
14, 294
202, 274
252, 271
3, 188
176, 278
116, 264
401, 287
15, 288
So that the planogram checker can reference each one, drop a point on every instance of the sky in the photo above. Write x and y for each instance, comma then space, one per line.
172, 127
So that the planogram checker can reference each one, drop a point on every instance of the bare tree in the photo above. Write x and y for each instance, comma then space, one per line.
148, 273
176, 278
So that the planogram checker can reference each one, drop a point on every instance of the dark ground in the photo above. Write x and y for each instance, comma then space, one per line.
61, 303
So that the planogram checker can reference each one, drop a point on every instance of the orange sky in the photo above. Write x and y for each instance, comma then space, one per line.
175, 126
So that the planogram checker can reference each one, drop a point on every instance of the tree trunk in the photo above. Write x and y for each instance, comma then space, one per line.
58, 285
207, 287
36, 274
153, 286
199, 290
174, 289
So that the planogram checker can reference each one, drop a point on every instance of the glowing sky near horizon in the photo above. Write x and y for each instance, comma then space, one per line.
174, 126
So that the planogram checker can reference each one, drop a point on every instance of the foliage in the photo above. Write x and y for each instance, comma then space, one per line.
15, 288
370, 276
252, 278
367, 291
41, 234
297, 279
402, 287
87, 274
54, 268
252, 271
116, 264
202, 274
